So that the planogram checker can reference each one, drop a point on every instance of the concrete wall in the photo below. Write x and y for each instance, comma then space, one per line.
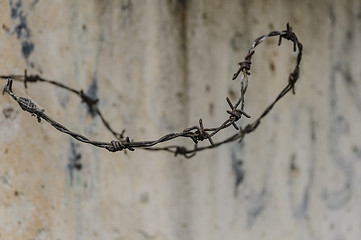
158, 66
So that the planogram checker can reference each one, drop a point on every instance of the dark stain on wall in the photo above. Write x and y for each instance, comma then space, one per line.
272, 66
338, 197
74, 157
236, 41
302, 166
93, 93
332, 15
10, 113
238, 170
293, 166
352, 87
21, 29
357, 151
63, 98
126, 5
258, 205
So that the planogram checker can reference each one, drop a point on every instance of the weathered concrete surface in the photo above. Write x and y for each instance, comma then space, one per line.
159, 66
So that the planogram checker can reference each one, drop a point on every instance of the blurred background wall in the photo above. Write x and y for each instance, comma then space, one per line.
157, 67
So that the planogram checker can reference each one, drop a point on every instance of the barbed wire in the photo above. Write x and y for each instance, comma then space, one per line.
196, 133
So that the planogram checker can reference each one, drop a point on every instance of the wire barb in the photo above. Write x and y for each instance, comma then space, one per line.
30, 78
116, 145
235, 114
289, 35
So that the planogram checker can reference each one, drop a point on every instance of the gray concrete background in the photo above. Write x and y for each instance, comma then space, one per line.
301, 169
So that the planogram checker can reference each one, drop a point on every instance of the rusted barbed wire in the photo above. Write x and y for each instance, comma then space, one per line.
195, 133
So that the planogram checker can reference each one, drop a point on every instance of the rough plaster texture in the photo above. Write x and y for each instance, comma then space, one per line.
159, 66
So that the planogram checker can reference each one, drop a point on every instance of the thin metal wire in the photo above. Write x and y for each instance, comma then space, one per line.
195, 133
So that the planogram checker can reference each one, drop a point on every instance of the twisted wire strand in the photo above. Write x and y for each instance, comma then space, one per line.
195, 133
